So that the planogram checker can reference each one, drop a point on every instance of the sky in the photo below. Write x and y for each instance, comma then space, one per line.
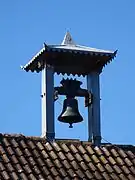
26, 25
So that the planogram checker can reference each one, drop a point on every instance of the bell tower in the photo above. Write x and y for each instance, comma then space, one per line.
70, 58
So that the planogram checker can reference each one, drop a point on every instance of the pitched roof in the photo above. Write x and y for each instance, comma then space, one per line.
34, 158
68, 54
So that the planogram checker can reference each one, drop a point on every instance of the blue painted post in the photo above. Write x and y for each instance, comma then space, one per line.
48, 129
90, 119
95, 88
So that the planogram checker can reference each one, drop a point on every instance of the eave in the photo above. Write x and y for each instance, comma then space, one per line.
70, 59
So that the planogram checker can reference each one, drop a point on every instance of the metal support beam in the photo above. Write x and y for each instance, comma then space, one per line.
90, 119
95, 88
48, 129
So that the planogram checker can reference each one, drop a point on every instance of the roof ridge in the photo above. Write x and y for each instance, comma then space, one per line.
67, 141
122, 146
19, 135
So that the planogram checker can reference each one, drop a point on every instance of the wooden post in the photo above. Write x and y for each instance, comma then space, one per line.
95, 88
90, 119
48, 126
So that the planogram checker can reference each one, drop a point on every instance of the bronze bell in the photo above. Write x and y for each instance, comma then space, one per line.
70, 113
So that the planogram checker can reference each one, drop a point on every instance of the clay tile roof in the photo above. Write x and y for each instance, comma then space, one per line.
24, 158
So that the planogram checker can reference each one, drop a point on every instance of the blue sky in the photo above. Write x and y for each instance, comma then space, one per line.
26, 25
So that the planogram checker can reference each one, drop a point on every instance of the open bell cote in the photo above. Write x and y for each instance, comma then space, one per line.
70, 58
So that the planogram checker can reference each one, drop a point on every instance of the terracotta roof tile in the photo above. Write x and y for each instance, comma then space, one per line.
105, 175
80, 173
6, 143
65, 147
100, 167
97, 151
130, 154
14, 176
23, 160
103, 159
71, 173
59, 178
63, 173
18, 152
23, 176
95, 159
98, 175
122, 176
5, 158
69, 156
121, 161
122, 153
32, 158
36, 153
115, 176
125, 169
49, 163
132, 169
78, 157
92, 166
75, 165
32, 177
114, 153
45, 171
109, 168
83, 166
81, 149
54, 171
57, 163
73, 149
106, 152
86, 158
44, 154
56, 147
66, 164
9, 167
130, 177
48, 146
50, 177
2, 168
27, 152
5, 175
117, 169
111, 160
14, 159
90, 150
89, 174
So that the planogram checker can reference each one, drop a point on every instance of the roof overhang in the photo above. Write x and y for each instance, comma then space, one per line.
70, 58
